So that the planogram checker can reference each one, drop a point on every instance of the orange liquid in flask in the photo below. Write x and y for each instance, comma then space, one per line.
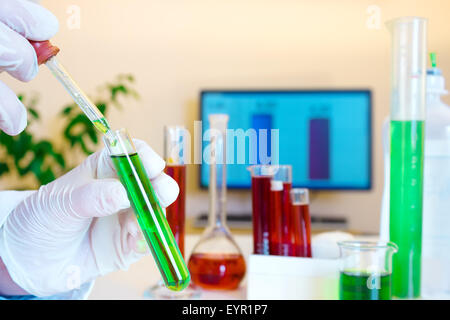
216, 270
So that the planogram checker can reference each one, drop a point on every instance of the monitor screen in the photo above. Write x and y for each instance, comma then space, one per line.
324, 134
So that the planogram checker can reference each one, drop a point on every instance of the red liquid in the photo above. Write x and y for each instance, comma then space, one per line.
276, 231
261, 207
175, 213
301, 228
286, 222
217, 271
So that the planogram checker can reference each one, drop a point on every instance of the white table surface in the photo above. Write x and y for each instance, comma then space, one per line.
131, 284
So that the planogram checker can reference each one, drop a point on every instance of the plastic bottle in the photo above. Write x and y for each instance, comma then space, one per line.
436, 205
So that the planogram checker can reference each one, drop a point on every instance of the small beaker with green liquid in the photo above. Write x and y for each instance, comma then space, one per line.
366, 269
147, 208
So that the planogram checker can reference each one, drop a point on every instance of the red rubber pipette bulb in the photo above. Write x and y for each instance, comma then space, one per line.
44, 50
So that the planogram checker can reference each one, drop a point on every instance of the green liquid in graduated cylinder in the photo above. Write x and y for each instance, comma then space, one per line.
406, 205
162, 243
364, 286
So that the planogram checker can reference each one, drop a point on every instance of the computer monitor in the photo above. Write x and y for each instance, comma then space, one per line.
324, 134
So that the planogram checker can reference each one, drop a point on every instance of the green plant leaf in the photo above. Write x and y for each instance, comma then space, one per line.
3, 168
101, 106
93, 135
85, 130
115, 90
21, 145
28, 155
67, 110
33, 113
59, 158
7, 141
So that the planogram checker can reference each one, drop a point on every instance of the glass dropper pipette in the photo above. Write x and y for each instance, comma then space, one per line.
46, 53
133, 176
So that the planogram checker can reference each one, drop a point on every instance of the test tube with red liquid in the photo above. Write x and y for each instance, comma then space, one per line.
175, 156
261, 177
301, 222
275, 213
283, 175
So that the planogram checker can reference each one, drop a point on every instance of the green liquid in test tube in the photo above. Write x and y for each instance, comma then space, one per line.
149, 213
132, 175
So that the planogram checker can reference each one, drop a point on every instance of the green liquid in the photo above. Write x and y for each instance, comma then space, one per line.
407, 146
364, 286
101, 125
154, 226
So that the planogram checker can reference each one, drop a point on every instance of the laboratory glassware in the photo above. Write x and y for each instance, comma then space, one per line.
175, 155
365, 270
283, 173
261, 177
129, 167
149, 214
301, 222
435, 280
216, 261
46, 54
275, 218
407, 124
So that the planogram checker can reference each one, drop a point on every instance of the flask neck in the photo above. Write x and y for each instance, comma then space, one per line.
218, 173
217, 195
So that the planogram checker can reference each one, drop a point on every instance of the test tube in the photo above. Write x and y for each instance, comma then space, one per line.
275, 213
261, 177
132, 174
283, 174
147, 208
301, 222
175, 156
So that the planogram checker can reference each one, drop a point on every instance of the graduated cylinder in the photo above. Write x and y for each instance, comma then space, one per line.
407, 151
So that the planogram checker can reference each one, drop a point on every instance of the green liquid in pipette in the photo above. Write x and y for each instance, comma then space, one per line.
364, 286
101, 125
405, 228
155, 227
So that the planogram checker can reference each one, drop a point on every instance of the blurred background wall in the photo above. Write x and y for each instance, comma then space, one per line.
175, 48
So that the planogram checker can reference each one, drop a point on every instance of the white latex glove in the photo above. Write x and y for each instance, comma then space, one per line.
20, 20
67, 233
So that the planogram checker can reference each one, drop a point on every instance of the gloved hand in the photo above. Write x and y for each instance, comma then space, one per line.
20, 20
67, 233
